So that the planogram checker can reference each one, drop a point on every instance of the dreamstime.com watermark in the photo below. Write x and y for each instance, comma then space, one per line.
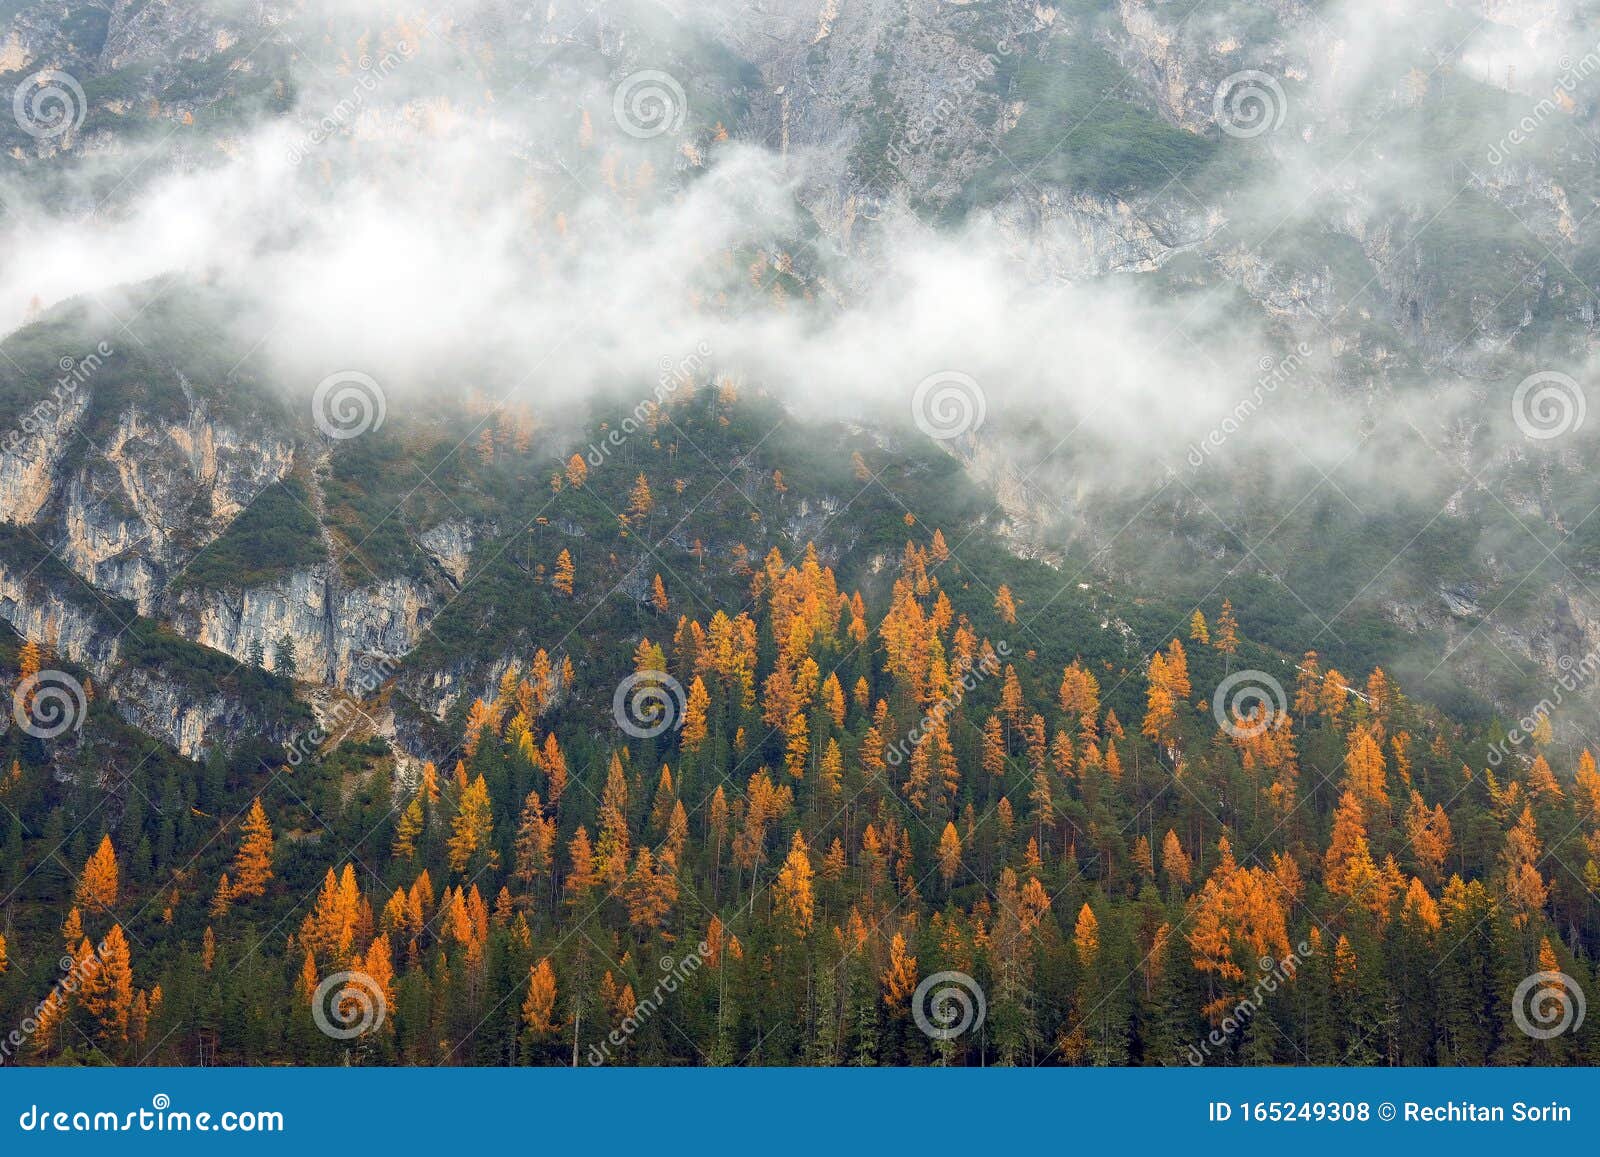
675, 973
648, 703
49, 104
649, 103
1560, 99
1248, 703
75, 372
1548, 404
374, 672
1249, 103
671, 378
347, 1005
349, 107
1274, 373
1548, 1004
347, 404
989, 665
75, 973
48, 704
916, 134
948, 404
1274, 974
160, 1117
1575, 673
948, 1004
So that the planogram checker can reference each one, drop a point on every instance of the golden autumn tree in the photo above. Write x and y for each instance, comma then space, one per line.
1079, 696
1347, 865
1086, 936
696, 708
539, 1006
900, 977
640, 501
1525, 889
1161, 704
1588, 784
329, 930
651, 891
577, 471
252, 866
1420, 910
1428, 835
1177, 671
615, 840
797, 745
582, 878
1307, 686
1542, 783
98, 884
1226, 637
1335, 696
533, 853
72, 929
949, 853
1238, 921
222, 899
1174, 860
792, 897
833, 699
1344, 964
472, 829
481, 720
309, 979
565, 573
377, 963
106, 991
1005, 605
1365, 771
554, 762
407, 829
30, 659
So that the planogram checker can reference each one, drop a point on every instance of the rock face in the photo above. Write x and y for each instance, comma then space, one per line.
120, 516
111, 490
41, 600
41, 603
450, 545
191, 724
1063, 236
332, 627
30, 465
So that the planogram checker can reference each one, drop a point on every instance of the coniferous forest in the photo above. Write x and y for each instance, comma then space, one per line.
743, 814
800, 533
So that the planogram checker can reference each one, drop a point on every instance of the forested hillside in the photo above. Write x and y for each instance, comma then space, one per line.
810, 532
863, 805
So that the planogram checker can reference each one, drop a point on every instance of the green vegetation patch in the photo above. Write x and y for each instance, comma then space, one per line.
276, 535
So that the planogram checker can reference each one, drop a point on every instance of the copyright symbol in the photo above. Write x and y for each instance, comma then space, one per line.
1386, 1112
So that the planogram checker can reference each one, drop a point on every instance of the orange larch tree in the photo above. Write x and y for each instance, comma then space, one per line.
565, 573
792, 896
106, 991
252, 867
539, 1006
98, 884
1005, 605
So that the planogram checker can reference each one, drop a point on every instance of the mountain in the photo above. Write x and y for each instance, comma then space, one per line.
457, 456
